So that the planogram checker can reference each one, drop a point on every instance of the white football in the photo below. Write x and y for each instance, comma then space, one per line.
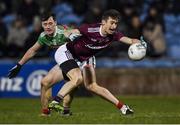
137, 51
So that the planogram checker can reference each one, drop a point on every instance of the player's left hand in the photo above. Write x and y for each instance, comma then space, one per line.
143, 42
14, 71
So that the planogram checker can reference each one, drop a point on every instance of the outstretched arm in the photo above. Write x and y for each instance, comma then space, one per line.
128, 40
13, 72
30, 53
72, 31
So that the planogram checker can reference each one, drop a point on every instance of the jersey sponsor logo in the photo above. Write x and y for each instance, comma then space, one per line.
94, 40
102, 40
33, 85
96, 47
13, 85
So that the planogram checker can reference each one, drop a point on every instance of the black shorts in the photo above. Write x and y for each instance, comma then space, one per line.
68, 65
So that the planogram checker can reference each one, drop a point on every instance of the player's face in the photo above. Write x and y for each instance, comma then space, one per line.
110, 25
49, 26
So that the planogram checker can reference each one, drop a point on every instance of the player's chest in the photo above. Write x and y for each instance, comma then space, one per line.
97, 39
55, 41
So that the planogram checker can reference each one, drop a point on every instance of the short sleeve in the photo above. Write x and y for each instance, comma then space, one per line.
40, 39
118, 36
83, 29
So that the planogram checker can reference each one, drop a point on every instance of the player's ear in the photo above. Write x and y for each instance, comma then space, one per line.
103, 22
42, 24
55, 22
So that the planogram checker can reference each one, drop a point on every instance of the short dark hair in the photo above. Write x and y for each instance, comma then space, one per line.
46, 14
114, 14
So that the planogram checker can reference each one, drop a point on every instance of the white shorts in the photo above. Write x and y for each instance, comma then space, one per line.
62, 55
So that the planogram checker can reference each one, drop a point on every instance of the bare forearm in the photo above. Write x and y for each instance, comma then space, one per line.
27, 56
128, 40
69, 32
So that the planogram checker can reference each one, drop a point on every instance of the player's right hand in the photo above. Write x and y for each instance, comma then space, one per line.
14, 71
73, 36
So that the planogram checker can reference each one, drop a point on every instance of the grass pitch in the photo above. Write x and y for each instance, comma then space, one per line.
148, 109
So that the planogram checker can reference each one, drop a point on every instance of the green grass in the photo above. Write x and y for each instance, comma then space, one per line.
148, 109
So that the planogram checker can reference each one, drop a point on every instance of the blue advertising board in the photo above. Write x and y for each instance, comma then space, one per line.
28, 81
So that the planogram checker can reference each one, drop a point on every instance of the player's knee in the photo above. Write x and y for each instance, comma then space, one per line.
45, 82
91, 87
77, 80
80, 79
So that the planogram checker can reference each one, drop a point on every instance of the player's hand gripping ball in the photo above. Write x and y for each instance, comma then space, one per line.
137, 51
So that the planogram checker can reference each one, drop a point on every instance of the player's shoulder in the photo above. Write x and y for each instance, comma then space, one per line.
42, 38
117, 35
64, 27
42, 34
118, 32
60, 29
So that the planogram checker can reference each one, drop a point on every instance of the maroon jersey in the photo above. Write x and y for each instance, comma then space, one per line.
91, 42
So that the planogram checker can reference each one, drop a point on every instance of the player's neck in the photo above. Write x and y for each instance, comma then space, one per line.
54, 33
50, 35
101, 31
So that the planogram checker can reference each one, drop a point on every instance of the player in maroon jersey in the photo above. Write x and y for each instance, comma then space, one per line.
94, 38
